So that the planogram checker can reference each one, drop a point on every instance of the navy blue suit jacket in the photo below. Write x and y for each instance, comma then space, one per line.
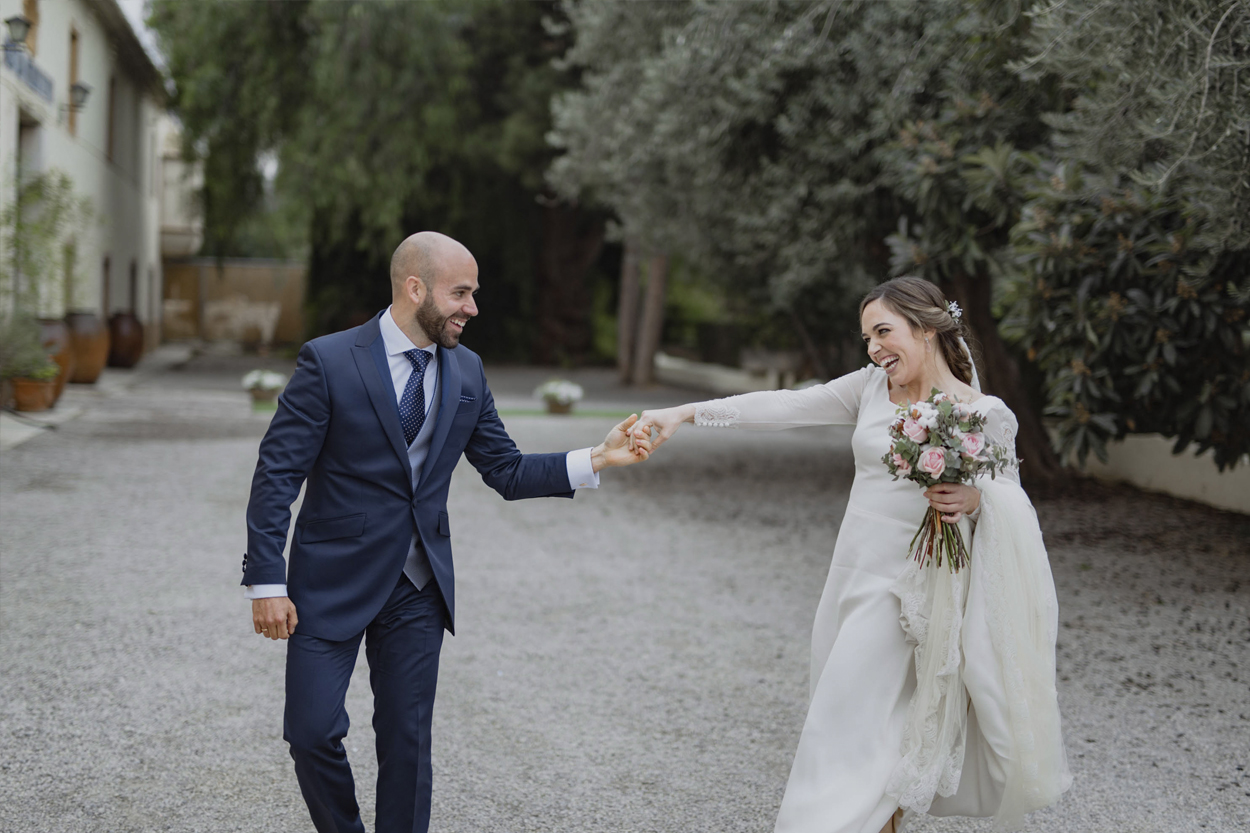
337, 426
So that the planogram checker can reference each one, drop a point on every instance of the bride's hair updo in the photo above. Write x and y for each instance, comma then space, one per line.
925, 308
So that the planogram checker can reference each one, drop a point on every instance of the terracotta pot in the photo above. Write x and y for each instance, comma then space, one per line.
90, 340
554, 407
33, 394
54, 336
262, 395
125, 340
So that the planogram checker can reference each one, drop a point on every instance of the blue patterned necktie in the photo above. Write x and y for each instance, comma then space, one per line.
412, 403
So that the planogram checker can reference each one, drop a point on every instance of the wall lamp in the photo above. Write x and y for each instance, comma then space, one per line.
77, 98
19, 28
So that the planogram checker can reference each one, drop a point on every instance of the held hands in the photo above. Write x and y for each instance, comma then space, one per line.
953, 500
620, 448
663, 422
274, 617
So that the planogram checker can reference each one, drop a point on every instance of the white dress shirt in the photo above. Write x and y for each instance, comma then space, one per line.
582, 474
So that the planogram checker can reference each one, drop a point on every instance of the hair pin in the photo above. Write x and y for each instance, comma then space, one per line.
954, 310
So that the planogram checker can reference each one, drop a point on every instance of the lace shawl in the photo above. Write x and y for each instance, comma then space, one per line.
1009, 568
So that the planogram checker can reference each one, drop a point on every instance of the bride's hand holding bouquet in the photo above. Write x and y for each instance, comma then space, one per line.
940, 445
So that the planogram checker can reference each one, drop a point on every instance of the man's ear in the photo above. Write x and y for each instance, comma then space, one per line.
415, 289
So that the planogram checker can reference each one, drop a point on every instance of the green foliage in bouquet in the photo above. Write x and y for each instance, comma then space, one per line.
1135, 312
947, 428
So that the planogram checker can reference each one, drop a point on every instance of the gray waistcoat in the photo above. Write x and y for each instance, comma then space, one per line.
417, 567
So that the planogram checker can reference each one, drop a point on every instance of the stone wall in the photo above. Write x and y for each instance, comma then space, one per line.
250, 301
1147, 462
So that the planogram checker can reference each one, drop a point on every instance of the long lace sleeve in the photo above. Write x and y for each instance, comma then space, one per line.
1000, 431
835, 403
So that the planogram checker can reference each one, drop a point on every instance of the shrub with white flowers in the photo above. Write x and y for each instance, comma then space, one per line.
264, 380
561, 391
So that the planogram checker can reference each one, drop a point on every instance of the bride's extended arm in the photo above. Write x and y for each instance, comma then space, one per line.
835, 403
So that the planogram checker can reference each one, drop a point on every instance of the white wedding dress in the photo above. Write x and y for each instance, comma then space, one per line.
979, 735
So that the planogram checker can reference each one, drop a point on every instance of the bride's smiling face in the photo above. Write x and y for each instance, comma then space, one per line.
893, 344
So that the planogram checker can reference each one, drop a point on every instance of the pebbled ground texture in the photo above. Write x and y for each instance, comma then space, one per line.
632, 660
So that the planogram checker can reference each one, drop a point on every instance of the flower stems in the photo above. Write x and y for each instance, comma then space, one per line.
936, 540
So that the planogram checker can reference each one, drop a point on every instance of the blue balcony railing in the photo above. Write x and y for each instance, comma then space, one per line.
18, 60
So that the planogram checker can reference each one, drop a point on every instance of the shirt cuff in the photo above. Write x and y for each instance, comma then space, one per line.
264, 591
582, 474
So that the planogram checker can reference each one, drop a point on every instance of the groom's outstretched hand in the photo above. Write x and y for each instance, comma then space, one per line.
617, 449
274, 617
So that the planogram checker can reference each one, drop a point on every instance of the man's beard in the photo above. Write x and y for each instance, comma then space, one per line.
434, 325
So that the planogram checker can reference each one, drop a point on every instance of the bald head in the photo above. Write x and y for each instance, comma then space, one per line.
427, 255
433, 281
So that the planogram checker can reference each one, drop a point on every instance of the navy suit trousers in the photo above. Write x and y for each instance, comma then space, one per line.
402, 646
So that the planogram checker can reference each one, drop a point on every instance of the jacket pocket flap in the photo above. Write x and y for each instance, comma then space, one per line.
348, 526
444, 524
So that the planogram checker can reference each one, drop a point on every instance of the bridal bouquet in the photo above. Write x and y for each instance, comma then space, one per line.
937, 441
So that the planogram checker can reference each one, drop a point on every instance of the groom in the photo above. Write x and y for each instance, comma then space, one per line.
374, 420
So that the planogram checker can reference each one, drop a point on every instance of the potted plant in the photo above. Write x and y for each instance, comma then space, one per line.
26, 365
559, 395
41, 231
35, 389
264, 386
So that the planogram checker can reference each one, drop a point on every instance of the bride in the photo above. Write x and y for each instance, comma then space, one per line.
931, 692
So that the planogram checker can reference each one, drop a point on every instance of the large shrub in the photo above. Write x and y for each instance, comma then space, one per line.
1137, 314
1135, 250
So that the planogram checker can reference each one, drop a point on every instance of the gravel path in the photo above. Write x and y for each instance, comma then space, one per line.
634, 660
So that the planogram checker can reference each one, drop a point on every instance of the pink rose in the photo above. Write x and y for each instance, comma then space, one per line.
974, 443
901, 465
914, 431
933, 462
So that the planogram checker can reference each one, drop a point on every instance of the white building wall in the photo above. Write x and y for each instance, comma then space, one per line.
8, 157
179, 184
121, 189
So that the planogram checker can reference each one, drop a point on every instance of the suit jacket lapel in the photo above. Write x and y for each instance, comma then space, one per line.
375, 371
449, 380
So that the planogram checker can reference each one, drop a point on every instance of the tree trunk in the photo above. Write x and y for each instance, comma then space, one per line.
1000, 375
818, 367
652, 320
627, 311
571, 242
